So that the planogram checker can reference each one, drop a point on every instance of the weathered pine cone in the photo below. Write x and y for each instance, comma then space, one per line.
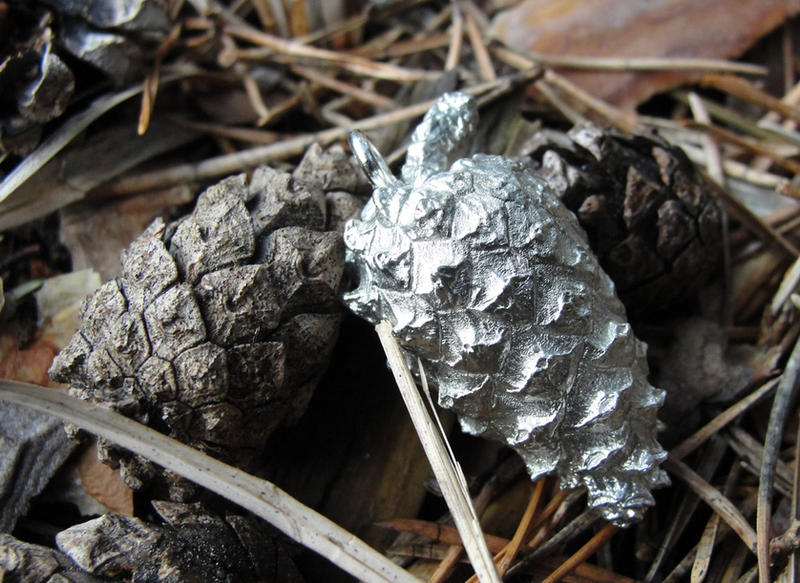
193, 544
29, 563
648, 212
220, 324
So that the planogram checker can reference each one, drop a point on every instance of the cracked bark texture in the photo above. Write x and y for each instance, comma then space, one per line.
221, 323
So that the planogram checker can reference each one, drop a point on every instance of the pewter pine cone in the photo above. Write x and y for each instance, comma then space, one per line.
220, 324
489, 280
649, 214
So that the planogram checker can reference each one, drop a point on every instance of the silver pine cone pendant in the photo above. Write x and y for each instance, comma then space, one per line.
489, 280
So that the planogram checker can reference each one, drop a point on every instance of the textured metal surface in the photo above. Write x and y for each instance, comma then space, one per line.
489, 280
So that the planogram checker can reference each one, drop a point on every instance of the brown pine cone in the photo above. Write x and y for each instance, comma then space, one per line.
192, 544
220, 324
648, 212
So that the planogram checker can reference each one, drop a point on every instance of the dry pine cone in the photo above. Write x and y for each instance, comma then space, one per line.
647, 211
193, 544
220, 324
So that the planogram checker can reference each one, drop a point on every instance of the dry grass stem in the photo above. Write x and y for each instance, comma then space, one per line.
292, 146
741, 171
744, 215
438, 532
524, 526
445, 468
482, 57
772, 444
750, 145
713, 158
352, 63
646, 64
586, 551
456, 39
745, 90
344, 88
242, 134
713, 427
711, 496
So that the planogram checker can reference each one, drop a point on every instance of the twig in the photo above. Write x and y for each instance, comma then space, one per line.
259, 496
788, 285
709, 462
788, 56
709, 145
794, 560
353, 63
586, 551
743, 214
576, 526
279, 14
456, 39
438, 532
510, 551
772, 442
715, 170
623, 120
253, 93
750, 576
446, 470
418, 44
745, 90
229, 163
349, 89
449, 562
150, 86
482, 57
700, 436
715, 499
455, 553
748, 144
735, 119
743, 172
550, 517
625, 64
250, 135
751, 452
711, 533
